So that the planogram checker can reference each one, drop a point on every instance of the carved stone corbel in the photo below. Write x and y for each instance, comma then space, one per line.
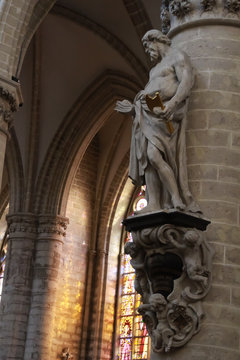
173, 267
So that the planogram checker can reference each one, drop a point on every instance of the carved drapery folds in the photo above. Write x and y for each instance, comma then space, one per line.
173, 274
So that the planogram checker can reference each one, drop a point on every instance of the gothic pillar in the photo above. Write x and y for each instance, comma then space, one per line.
16, 297
10, 99
209, 32
51, 232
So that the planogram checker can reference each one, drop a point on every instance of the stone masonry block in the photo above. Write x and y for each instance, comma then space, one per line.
208, 138
217, 48
236, 296
228, 174
201, 80
226, 275
213, 190
195, 188
219, 32
215, 156
219, 253
202, 172
216, 313
186, 35
236, 140
205, 63
225, 120
217, 336
225, 82
197, 119
218, 294
211, 99
232, 255
220, 212
224, 233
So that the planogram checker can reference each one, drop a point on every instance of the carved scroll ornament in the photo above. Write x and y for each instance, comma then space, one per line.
173, 275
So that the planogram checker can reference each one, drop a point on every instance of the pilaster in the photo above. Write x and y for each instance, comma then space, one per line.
16, 297
209, 32
46, 283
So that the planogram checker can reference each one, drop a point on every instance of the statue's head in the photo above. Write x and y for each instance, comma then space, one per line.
130, 249
191, 237
155, 36
152, 41
158, 301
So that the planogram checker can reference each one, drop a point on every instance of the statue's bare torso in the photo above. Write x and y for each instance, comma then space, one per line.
165, 76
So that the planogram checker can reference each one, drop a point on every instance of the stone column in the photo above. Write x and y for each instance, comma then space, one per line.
10, 99
51, 232
209, 32
16, 297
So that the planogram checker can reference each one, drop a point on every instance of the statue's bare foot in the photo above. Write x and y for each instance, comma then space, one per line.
178, 204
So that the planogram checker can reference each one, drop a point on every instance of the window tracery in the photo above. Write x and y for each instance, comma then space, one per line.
133, 337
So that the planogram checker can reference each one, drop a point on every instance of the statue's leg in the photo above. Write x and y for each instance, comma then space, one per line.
153, 191
165, 174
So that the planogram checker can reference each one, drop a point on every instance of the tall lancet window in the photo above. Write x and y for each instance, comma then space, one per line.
3, 247
133, 339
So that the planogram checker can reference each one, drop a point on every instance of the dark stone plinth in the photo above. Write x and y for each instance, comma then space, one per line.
159, 218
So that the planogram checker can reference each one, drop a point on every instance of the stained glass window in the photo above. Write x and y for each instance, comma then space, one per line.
133, 338
3, 247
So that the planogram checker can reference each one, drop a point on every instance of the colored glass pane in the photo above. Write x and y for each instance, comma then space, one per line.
126, 326
128, 284
127, 267
137, 301
139, 326
134, 341
125, 349
140, 348
127, 305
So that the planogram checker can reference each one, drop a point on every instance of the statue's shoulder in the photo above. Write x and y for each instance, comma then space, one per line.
180, 58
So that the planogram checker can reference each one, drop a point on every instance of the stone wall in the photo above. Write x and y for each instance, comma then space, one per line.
213, 151
72, 281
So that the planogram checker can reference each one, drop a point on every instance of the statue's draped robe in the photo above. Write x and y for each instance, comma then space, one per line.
147, 127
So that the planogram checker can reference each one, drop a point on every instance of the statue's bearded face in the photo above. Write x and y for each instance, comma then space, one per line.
152, 48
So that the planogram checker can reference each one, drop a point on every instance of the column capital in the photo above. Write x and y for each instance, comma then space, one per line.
22, 223
52, 224
177, 15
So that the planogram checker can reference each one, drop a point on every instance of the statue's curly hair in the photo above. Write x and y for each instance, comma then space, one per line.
155, 35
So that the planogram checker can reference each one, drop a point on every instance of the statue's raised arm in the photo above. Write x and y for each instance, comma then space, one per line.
157, 156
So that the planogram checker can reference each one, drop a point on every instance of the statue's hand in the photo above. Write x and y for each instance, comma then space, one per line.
165, 114
125, 107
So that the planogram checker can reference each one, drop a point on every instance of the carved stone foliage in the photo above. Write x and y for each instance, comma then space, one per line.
233, 5
49, 224
208, 5
22, 223
173, 274
9, 98
165, 16
180, 8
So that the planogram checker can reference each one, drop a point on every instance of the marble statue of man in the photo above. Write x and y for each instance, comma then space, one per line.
158, 156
